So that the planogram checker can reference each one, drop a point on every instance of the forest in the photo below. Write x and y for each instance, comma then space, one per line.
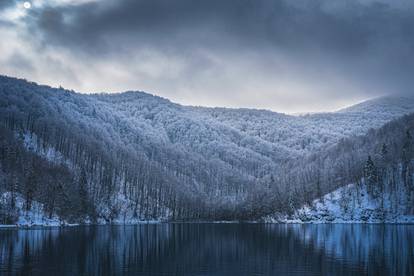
103, 158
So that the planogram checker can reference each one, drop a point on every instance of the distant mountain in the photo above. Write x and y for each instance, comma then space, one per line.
134, 156
384, 106
306, 133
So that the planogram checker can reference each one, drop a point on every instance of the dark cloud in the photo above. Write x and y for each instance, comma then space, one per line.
20, 62
327, 46
6, 3
350, 30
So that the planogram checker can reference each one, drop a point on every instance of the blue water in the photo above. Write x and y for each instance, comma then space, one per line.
209, 249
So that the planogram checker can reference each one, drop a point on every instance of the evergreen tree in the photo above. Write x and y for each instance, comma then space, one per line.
384, 154
407, 170
83, 193
407, 147
406, 156
30, 187
371, 176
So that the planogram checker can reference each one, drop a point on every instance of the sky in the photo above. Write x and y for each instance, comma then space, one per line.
283, 55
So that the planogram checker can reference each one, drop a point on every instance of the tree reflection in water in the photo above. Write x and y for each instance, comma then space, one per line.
210, 249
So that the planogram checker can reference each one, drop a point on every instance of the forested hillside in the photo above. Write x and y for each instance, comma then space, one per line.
133, 156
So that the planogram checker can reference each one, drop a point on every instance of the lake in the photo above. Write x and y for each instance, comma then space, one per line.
209, 249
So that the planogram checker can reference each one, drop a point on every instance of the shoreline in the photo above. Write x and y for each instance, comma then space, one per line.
45, 226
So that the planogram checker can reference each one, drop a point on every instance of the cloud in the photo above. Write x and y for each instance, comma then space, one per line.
20, 62
6, 3
284, 55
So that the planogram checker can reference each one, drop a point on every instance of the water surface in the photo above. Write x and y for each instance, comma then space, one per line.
209, 249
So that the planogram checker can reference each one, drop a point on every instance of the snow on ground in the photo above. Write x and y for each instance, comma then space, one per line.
350, 204
34, 144
33, 217
37, 216
125, 212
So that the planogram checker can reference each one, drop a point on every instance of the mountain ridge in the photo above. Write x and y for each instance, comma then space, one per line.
399, 99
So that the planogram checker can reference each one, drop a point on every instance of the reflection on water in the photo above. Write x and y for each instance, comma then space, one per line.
209, 249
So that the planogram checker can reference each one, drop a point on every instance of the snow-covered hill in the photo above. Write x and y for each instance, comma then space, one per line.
164, 159
354, 204
307, 133
37, 214
383, 106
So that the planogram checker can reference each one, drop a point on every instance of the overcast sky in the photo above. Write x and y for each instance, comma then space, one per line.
287, 56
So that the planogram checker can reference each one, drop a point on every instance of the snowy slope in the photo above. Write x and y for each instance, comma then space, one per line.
232, 136
308, 133
207, 159
385, 106
36, 215
352, 204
